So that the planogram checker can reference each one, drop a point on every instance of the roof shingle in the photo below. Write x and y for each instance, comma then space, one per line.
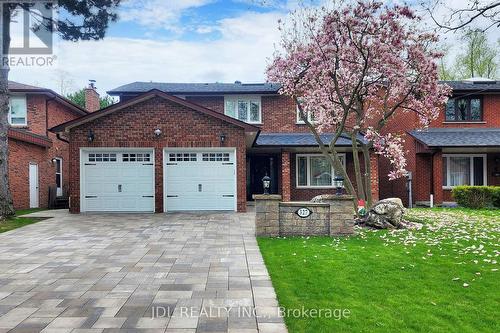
458, 137
299, 139
198, 88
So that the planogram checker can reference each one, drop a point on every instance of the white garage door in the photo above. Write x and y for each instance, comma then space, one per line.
200, 180
118, 181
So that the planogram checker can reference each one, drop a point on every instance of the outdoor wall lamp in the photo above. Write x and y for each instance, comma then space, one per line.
338, 183
90, 136
157, 132
222, 138
266, 183
53, 161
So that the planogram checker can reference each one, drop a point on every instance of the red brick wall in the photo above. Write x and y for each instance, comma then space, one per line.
215, 103
21, 154
91, 100
134, 126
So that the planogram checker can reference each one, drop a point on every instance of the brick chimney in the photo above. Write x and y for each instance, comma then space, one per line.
91, 97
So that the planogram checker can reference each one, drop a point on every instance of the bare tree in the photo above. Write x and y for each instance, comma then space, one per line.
488, 12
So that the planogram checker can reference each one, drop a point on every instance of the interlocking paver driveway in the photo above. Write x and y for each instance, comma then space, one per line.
136, 273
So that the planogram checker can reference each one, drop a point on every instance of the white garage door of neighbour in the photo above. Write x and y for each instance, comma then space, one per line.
118, 181
200, 180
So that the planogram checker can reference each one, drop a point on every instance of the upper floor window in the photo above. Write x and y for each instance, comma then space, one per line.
18, 111
464, 109
244, 108
310, 117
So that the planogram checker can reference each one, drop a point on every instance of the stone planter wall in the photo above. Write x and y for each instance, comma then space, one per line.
275, 218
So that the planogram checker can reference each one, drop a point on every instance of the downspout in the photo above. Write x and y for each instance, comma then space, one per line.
58, 135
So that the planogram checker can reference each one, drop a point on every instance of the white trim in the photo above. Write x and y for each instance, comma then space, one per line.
84, 150
35, 204
61, 175
299, 121
167, 150
247, 99
308, 170
471, 166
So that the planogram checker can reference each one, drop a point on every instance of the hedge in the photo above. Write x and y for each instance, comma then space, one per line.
477, 196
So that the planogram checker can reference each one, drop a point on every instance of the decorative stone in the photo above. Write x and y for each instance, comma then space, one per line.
386, 214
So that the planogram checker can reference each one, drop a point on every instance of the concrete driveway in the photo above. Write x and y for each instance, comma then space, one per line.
136, 273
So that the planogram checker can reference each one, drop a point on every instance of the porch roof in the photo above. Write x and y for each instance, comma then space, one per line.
299, 140
458, 137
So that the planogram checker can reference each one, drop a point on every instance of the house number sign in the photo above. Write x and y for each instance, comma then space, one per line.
303, 212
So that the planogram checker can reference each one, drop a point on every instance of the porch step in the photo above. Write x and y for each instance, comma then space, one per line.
61, 203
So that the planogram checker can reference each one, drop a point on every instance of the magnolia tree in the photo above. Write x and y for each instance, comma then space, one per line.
353, 68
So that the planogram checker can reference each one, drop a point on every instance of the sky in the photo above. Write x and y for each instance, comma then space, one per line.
173, 41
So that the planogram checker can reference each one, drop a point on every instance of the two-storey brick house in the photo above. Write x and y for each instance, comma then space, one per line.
461, 147
37, 158
183, 146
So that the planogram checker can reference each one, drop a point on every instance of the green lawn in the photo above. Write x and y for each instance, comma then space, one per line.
18, 220
441, 278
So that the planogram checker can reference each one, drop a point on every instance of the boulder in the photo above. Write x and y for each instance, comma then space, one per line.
386, 214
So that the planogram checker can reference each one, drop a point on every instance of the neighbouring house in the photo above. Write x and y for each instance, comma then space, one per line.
193, 146
461, 147
38, 160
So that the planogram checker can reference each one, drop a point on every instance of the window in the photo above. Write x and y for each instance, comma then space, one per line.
59, 179
244, 108
182, 157
136, 157
464, 109
18, 111
102, 157
315, 170
464, 170
310, 117
215, 157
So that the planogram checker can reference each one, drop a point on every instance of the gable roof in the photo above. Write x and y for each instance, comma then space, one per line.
198, 88
458, 137
144, 97
25, 88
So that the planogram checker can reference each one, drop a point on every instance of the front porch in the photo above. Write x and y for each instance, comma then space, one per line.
297, 169
453, 157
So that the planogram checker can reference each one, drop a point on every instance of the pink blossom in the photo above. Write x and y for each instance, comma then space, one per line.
366, 60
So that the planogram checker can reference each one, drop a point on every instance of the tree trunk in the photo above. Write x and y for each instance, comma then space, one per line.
368, 175
6, 205
357, 167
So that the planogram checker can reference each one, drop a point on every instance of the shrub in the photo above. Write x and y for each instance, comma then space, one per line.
477, 196
495, 196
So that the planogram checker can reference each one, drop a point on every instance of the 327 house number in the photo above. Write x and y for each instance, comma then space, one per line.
303, 212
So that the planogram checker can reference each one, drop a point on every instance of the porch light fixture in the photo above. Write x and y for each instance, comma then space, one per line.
53, 160
157, 132
266, 183
222, 138
90, 136
338, 183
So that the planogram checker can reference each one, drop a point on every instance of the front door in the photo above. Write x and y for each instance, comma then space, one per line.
259, 166
33, 180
